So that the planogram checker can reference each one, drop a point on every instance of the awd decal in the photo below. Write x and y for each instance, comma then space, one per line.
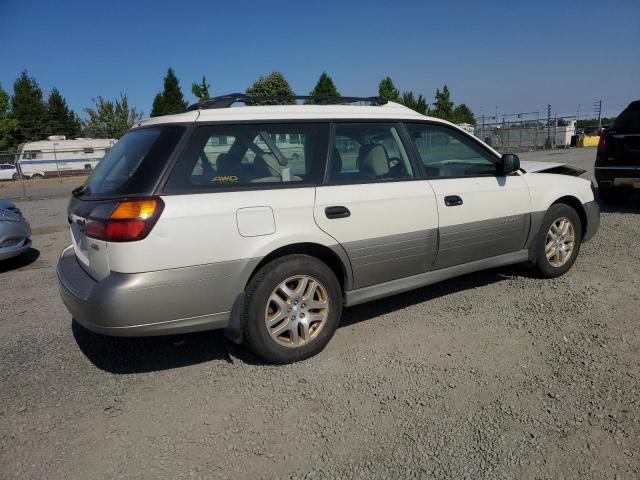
225, 178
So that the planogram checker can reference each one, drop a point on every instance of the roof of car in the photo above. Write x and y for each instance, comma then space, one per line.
388, 111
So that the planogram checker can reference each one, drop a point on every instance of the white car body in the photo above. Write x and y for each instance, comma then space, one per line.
399, 235
7, 171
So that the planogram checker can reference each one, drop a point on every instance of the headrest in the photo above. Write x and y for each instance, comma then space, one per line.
374, 160
267, 165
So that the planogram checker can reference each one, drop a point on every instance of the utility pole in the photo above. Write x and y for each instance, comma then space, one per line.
547, 144
598, 108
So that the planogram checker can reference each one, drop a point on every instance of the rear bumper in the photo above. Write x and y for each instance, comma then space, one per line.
617, 176
153, 303
592, 212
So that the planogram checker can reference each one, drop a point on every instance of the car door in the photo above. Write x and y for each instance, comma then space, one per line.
375, 204
482, 213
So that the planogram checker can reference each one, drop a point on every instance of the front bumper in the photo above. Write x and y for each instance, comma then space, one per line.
19, 231
14, 251
592, 212
153, 303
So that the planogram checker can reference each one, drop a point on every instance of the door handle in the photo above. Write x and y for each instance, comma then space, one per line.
452, 200
337, 212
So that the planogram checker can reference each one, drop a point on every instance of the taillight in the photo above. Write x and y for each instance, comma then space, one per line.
601, 142
130, 220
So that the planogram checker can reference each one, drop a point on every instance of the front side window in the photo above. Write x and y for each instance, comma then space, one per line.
447, 153
368, 152
220, 156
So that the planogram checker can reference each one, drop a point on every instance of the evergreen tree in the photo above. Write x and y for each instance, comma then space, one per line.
443, 106
110, 119
201, 90
61, 120
463, 114
388, 90
272, 85
418, 104
7, 124
324, 88
28, 110
170, 99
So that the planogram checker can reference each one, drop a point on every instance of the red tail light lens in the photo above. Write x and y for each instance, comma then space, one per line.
601, 142
130, 220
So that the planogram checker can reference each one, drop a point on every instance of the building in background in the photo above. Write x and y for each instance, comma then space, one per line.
58, 156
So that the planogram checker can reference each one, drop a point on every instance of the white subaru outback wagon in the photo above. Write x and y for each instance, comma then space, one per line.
266, 220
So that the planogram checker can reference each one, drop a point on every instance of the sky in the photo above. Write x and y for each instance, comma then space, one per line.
495, 56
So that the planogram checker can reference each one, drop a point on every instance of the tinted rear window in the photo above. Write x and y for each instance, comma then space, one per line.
629, 118
134, 163
251, 156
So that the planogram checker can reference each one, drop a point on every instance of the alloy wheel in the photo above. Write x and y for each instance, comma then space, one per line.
560, 242
297, 310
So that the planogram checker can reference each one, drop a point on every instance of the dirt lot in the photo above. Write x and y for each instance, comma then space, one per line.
493, 375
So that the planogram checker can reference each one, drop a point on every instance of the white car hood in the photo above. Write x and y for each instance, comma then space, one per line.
530, 166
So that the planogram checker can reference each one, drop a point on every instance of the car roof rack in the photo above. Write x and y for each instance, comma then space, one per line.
225, 101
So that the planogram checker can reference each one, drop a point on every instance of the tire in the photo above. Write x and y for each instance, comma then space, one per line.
267, 303
36, 176
557, 264
16, 176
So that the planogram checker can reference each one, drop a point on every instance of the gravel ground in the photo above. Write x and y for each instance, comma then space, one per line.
492, 375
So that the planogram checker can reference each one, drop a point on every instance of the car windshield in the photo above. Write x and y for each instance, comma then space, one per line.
134, 162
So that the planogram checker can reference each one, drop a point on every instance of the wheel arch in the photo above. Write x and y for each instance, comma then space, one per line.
334, 257
576, 204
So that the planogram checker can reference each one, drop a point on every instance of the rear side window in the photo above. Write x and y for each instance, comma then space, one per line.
251, 155
368, 152
629, 118
134, 163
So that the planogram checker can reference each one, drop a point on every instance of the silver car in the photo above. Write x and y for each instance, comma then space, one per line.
14, 231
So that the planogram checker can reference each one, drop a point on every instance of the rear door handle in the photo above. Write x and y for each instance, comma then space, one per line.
337, 211
452, 200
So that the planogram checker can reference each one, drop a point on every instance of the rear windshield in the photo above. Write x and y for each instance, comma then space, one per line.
629, 118
134, 163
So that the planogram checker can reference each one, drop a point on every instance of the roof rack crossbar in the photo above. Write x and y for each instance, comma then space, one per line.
225, 101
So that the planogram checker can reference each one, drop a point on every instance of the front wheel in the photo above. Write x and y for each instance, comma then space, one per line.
558, 241
292, 309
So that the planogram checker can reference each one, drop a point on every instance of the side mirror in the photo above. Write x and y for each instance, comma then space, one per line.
509, 163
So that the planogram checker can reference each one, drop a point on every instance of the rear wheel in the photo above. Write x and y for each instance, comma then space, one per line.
558, 242
16, 176
292, 309
36, 176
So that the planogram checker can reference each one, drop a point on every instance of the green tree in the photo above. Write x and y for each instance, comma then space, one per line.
110, 119
386, 89
170, 99
463, 114
201, 90
61, 120
324, 88
410, 101
443, 106
274, 85
27, 109
7, 124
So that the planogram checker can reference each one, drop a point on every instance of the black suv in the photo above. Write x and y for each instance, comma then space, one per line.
617, 167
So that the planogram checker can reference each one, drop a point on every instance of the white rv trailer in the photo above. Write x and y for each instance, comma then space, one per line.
58, 156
